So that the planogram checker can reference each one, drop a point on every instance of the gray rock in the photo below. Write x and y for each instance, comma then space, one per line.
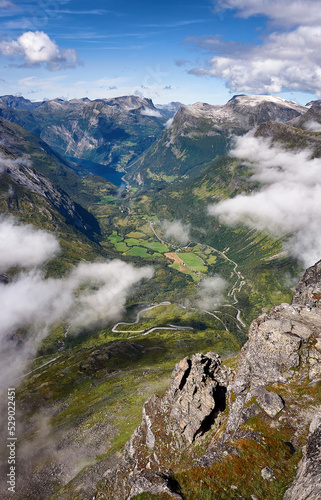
308, 291
269, 401
153, 482
195, 398
197, 392
307, 483
267, 473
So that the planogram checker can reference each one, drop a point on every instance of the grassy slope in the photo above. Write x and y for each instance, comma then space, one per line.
171, 160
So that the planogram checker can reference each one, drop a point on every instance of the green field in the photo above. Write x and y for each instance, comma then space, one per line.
121, 246
132, 242
109, 199
114, 237
193, 261
138, 252
136, 234
157, 246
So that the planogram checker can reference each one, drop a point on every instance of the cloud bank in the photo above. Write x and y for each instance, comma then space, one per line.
285, 58
313, 126
91, 293
24, 246
37, 48
177, 231
289, 201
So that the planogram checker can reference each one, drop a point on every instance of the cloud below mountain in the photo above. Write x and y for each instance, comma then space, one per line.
91, 293
151, 112
289, 202
24, 246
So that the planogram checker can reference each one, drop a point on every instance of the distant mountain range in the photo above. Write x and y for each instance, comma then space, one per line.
112, 132
201, 132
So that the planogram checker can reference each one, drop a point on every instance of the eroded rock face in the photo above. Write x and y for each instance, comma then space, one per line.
279, 343
197, 391
195, 398
24, 175
283, 353
307, 484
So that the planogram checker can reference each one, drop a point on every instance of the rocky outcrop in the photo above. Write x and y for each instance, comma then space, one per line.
280, 359
196, 395
170, 424
284, 348
307, 484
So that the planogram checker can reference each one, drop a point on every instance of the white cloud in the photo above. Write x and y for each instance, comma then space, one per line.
177, 231
313, 126
151, 112
283, 60
92, 293
36, 48
289, 202
23, 245
287, 12
211, 293
169, 123
43, 83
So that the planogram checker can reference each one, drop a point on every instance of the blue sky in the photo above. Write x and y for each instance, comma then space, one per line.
168, 51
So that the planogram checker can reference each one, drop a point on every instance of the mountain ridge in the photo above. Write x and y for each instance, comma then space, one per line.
200, 132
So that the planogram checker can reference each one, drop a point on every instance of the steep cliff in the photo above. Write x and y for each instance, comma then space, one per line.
236, 435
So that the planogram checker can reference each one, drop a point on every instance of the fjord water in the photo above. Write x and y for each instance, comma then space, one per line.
108, 173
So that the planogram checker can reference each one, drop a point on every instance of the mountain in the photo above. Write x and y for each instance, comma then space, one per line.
22, 174
252, 433
40, 187
169, 110
200, 132
294, 137
311, 120
22, 117
108, 131
19, 102
46, 161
